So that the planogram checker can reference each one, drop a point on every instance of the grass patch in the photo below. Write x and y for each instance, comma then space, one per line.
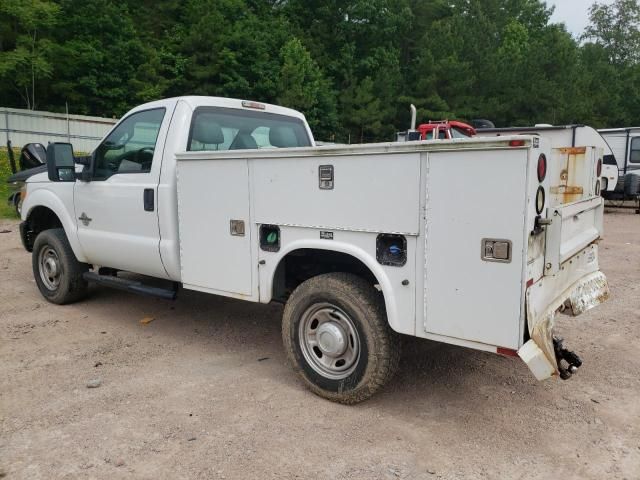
6, 210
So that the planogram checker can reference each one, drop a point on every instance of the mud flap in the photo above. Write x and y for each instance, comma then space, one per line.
543, 353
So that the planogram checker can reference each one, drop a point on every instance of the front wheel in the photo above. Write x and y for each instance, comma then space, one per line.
337, 337
57, 271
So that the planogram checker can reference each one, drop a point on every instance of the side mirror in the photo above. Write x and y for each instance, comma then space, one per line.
60, 162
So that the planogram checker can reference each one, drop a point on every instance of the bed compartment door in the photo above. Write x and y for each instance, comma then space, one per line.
475, 197
215, 233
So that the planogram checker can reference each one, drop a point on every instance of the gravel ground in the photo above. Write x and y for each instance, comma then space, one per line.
202, 390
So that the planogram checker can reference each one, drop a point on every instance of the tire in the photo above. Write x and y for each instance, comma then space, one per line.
359, 352
57, 271
631, 185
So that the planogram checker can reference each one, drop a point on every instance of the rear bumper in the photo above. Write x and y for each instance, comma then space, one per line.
576, 288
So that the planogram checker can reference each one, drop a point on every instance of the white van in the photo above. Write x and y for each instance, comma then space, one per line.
625, 145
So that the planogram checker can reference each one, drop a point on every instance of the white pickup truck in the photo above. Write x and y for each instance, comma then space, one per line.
362, 242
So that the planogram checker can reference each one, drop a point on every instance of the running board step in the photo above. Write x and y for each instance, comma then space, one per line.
130, 286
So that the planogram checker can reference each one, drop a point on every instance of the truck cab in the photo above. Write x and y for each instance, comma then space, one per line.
445, 130
123, 209
437, 130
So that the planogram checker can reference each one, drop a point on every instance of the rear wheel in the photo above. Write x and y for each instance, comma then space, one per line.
337, 337
631, 185
57, 271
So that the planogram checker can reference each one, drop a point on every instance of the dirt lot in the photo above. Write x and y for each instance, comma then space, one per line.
203, 392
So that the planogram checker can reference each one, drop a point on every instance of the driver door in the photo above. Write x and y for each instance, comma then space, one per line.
116, 212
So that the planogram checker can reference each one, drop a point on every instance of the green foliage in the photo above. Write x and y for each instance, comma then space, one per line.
362, 110
24, 45
302, 86
6, 210
616, 28
352, 66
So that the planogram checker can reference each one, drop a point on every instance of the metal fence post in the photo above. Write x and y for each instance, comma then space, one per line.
66, 105
6, 124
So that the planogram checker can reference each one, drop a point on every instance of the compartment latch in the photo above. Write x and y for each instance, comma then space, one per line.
496, 250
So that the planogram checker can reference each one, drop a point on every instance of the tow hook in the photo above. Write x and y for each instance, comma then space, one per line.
571, 358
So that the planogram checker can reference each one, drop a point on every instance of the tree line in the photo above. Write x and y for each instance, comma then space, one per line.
352, 66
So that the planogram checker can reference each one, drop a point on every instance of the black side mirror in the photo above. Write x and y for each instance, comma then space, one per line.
60, 162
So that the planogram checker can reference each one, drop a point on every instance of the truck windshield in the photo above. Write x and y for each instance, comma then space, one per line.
458, 133
217, 128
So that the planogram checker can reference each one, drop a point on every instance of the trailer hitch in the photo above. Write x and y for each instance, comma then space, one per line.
571, 358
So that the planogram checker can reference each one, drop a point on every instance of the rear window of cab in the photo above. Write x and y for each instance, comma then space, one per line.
219, 129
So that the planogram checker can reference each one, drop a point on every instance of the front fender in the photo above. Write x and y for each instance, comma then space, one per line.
60, 203
400, 321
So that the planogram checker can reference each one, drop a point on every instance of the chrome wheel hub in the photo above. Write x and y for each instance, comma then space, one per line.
329, 341
50, 268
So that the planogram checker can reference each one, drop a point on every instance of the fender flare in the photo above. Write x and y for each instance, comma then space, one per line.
347, 248
43, 197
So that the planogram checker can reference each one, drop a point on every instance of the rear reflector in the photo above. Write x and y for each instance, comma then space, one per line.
529, 282
507, 352
256, 105
516, 143
542, 167
599, 168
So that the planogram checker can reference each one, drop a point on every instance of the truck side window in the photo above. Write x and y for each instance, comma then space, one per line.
218, 128
634, 157
129, 147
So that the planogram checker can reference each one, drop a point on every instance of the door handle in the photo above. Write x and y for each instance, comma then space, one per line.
148, 197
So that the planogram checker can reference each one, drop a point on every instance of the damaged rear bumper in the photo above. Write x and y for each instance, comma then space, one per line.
582, 287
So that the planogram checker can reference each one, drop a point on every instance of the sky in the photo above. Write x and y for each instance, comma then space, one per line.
574, 13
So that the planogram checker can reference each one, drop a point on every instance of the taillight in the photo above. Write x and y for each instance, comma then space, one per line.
516, 143
542, 167
540, 200
599, 168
